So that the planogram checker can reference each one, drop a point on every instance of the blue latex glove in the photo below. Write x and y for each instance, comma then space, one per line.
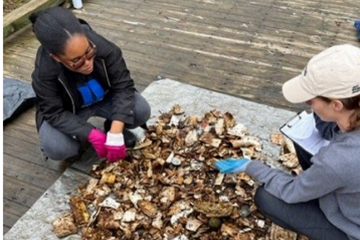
232, 165
357, 26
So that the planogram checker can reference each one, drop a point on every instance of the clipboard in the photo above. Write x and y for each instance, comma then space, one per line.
302, 130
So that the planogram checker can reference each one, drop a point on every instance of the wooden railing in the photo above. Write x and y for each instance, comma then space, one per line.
19, 18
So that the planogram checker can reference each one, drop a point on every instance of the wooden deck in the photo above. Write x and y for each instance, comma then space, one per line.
242, 48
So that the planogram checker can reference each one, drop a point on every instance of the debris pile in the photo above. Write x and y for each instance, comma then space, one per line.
169, 188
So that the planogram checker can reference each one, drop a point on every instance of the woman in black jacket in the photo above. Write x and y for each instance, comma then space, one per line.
79, 74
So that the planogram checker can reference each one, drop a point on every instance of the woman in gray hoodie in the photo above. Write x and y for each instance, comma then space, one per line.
323, 202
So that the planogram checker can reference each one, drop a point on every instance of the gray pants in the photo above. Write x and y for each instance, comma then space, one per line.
59, 146
304, 218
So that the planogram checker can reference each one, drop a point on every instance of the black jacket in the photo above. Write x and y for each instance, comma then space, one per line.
56, 92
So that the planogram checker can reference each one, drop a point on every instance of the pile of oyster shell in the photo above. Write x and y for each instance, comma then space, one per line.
168, 187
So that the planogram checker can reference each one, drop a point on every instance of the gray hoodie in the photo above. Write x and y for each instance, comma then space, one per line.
333, 178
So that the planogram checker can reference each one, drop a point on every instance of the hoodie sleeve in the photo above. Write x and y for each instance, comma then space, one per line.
50, 105
122, 85
313, 183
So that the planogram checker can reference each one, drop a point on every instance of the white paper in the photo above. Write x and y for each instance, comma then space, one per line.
302, 130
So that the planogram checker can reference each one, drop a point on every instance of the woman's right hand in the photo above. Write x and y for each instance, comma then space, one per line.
97, 138
115, 145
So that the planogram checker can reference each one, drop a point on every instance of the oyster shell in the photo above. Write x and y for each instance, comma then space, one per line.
248, 141
108, 178
157, 222
222, 209
110, 203
167, 195
281, 234
192, 121
220, 127
289, 160
148, 208
183, 214
191, 138
277, 138
129, 215
177, 109
239, 130
229, 120
64, 225
136, 196
79, 210
229, 229
178, 206
193, 224
289, 146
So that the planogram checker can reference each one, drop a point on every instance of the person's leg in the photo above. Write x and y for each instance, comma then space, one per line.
142, 110
57, 145
303, 218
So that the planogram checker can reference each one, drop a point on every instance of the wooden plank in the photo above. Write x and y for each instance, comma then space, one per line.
26, 136
18, 18
301, 63
29, 172
5, 228
234, 84
262, 28
245, 11
12, 212
29, 152
292, 40
8, 71
21, 192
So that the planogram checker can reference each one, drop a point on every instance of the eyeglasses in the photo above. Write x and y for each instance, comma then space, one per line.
89, 55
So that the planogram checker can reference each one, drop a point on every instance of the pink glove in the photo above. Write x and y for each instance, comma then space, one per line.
115, 146
97, 139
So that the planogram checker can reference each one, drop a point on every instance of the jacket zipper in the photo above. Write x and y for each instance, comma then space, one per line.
71, 98
106, 73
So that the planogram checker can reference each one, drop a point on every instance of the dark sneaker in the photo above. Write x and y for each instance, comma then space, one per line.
130, 138
107, 125
144, 126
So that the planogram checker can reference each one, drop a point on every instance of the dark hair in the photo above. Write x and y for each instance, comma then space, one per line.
352, 103
54, 26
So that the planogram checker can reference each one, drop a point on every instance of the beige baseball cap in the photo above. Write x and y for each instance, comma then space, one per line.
333, 73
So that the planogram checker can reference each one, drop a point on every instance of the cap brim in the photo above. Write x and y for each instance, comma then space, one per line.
294, 92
